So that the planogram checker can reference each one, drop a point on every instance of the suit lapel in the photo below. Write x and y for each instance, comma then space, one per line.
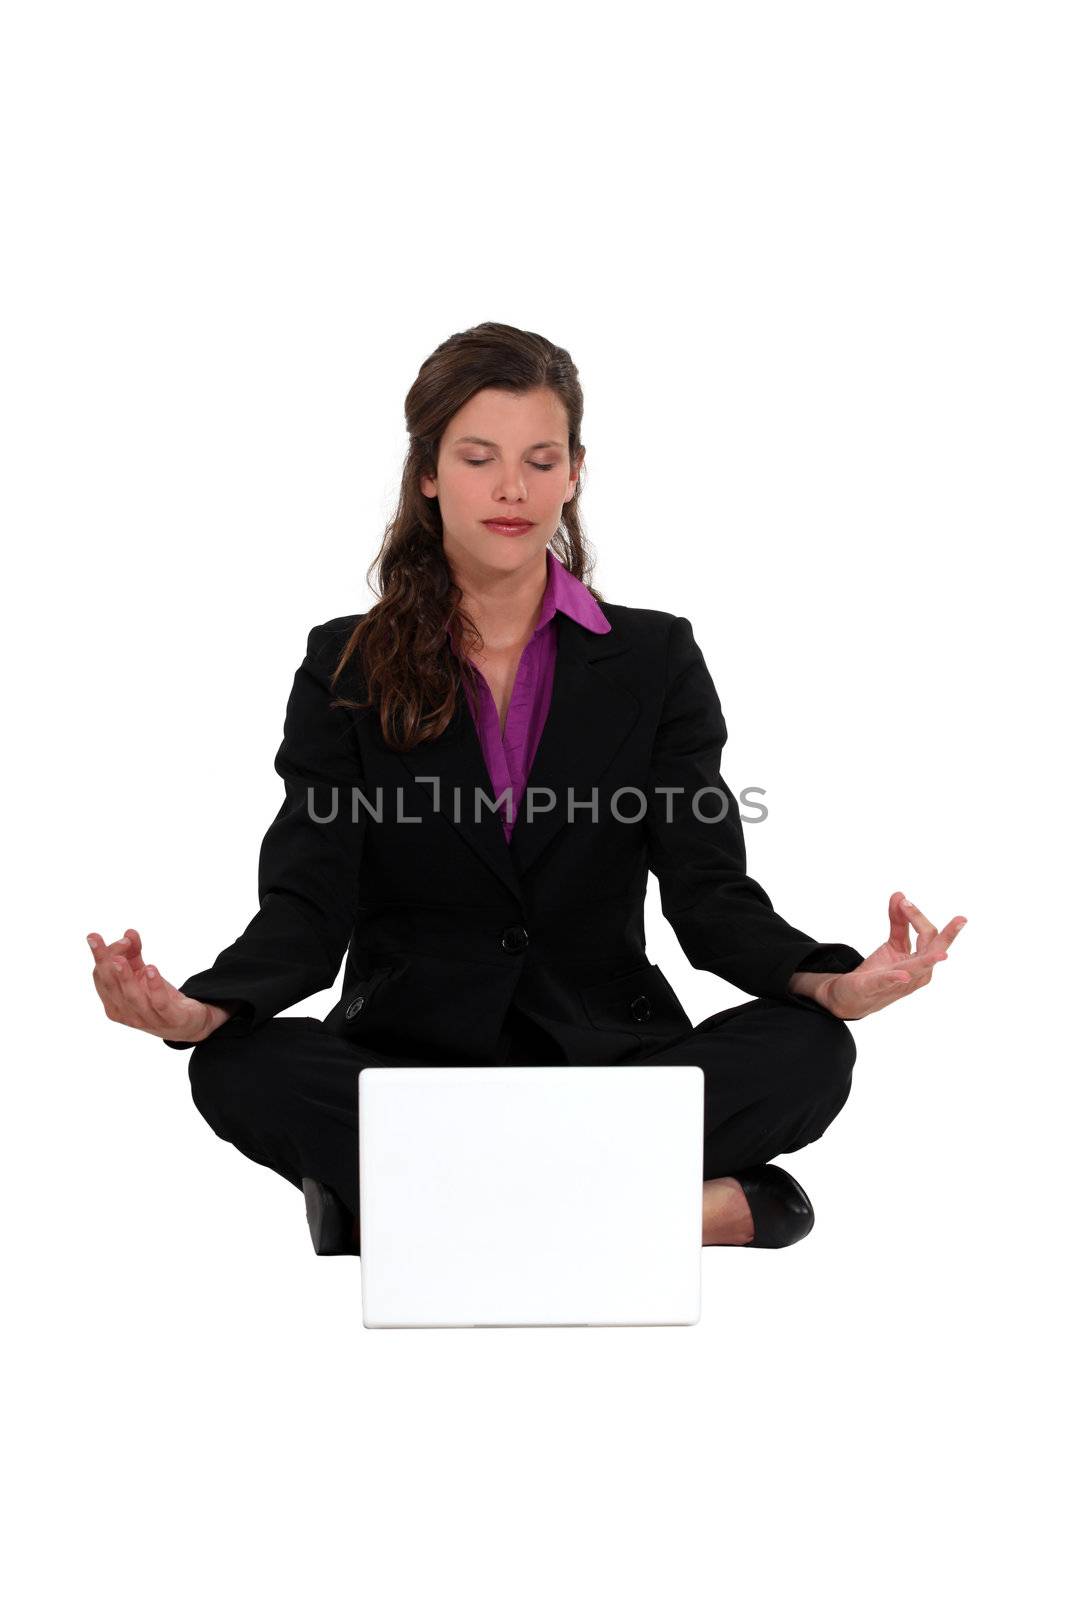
589, 716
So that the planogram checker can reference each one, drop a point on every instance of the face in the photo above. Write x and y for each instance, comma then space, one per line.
503, 455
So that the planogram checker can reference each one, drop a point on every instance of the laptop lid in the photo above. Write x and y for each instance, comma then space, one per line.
525, 1196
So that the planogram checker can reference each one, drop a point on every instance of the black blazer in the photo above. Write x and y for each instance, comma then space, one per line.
444, 923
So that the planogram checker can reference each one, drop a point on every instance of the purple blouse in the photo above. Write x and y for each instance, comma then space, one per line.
509, 755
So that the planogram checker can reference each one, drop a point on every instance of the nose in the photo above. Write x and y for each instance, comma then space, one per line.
511, 489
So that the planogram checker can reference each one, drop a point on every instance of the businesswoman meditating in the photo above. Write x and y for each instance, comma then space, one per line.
479, 773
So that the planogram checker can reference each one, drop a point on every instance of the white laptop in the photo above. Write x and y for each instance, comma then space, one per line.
525, 1196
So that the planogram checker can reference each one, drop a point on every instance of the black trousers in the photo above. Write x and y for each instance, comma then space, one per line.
286, 1095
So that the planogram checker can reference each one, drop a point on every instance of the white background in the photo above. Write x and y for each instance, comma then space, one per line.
809, 260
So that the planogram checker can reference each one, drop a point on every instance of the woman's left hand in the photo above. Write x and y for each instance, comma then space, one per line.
892, 971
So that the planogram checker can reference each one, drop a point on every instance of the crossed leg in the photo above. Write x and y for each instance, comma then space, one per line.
775, 1076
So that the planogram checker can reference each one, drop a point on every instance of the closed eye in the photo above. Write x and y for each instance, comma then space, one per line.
536, 464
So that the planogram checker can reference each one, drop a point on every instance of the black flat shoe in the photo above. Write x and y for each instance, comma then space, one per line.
329, 1220
781, 1211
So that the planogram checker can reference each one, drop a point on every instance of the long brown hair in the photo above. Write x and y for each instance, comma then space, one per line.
408, 668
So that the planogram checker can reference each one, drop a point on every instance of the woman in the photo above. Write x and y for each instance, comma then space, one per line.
479, 773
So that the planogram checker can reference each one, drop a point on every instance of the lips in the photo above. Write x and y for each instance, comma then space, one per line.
508, 524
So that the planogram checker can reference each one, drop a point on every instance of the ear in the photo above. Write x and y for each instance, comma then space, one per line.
428, 486
573, 484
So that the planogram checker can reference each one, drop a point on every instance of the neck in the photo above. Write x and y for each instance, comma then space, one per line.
504, 606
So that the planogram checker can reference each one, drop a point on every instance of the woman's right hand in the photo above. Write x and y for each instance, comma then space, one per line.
141, 997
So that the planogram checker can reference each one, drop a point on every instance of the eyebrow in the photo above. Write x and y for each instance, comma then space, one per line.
470, 438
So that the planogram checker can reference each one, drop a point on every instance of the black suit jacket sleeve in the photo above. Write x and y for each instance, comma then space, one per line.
723, 919
308, 868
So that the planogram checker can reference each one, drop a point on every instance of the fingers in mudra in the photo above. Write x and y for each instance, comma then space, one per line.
928, 940
894, 969
135, 993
